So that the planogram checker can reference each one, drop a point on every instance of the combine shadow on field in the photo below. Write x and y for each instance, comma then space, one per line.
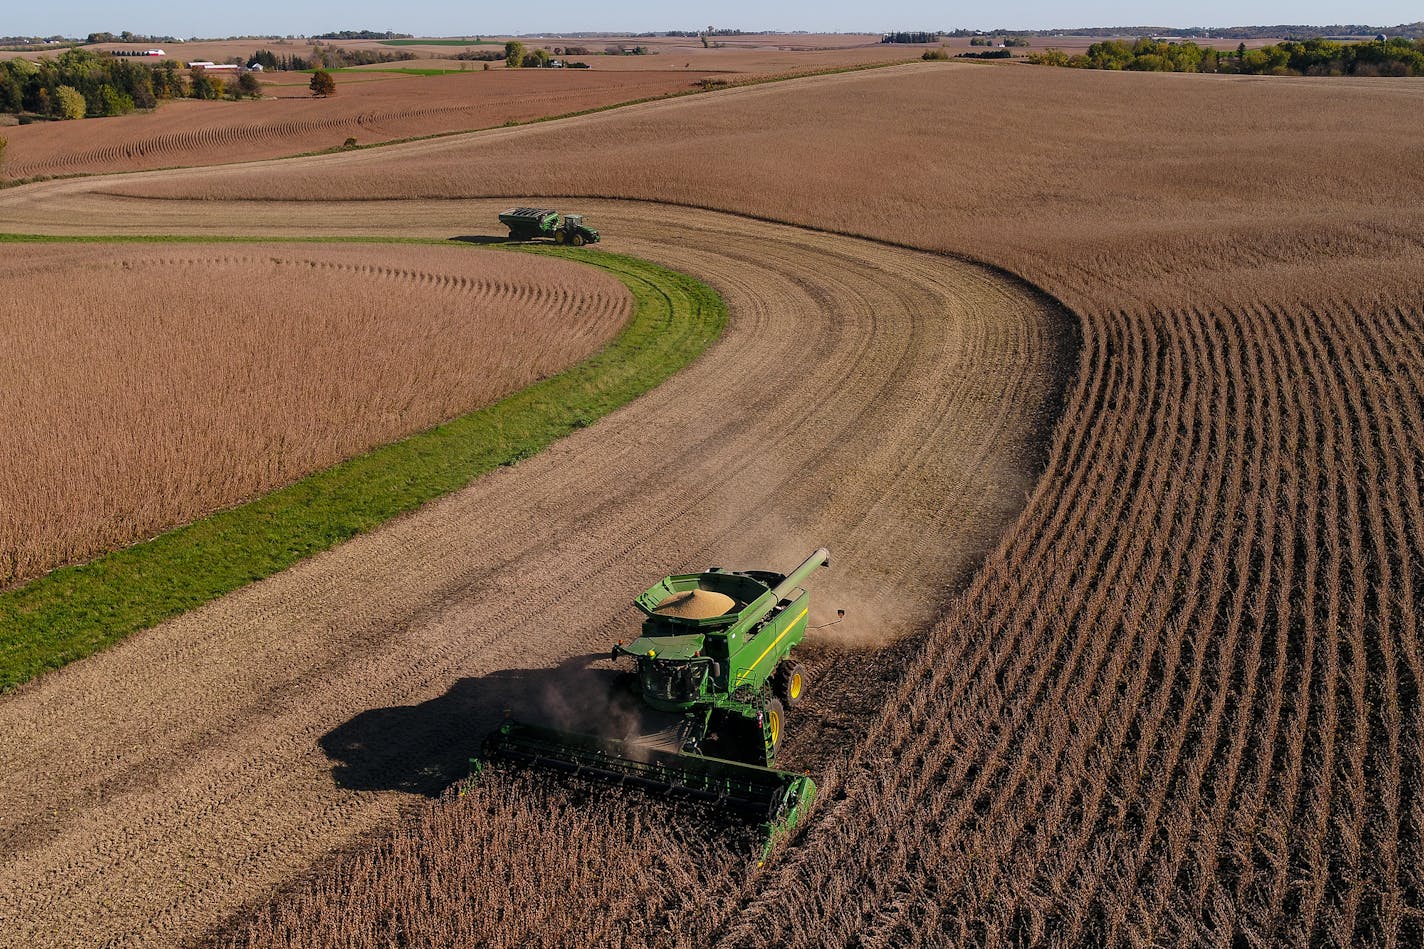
484, 239
423, 749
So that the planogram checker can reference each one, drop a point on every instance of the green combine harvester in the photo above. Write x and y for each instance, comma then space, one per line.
528, 224
715, 679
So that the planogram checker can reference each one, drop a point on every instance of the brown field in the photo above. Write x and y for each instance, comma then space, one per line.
159, 386
375, 105
1178, 702
153, 789
369, 108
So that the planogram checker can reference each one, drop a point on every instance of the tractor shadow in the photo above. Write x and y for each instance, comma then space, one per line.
484, 239
423, 749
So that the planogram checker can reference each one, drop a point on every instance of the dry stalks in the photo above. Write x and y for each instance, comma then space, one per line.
147, 386
1181, 702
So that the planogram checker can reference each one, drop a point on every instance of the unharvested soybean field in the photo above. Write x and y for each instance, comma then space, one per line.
158, 387
1178, 701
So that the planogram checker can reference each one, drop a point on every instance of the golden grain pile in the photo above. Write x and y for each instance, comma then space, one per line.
1181, 702
146, 386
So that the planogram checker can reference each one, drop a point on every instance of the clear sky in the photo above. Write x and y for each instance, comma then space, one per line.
449, 18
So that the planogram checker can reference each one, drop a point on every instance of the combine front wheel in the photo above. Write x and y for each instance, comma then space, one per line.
790, 682
775, 723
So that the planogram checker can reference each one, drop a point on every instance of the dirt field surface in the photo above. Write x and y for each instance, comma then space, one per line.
1180, 701
370, 107
165, 383
885, 402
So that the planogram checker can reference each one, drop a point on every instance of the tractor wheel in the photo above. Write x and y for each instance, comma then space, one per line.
775, 723
790, 682
513, 236
578, 240
560, 236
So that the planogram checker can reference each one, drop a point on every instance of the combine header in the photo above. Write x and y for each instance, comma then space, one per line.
527, 224
715, 679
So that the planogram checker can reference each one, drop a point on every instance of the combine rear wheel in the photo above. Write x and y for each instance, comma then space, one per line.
775, 723
789, 682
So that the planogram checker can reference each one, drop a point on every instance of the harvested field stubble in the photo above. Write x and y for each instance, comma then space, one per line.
1180, 703
369, 108
165, 383
882, 400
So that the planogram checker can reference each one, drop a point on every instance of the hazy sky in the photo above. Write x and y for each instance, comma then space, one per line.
447, 18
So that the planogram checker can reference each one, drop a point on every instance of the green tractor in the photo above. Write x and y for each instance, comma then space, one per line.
527, 224
715, 679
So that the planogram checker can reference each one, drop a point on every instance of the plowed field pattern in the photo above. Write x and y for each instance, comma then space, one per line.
886, 402
166, 383
1180, 703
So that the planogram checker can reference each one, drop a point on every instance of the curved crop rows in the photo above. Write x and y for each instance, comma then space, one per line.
167, 383
886, 402
1180, 702
1234, 738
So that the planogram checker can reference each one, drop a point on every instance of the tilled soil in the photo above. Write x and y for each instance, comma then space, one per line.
886, 403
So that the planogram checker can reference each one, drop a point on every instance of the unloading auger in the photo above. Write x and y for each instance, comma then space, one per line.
715, 676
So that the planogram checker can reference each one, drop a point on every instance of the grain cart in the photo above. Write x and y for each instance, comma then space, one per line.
714, 678
527, 224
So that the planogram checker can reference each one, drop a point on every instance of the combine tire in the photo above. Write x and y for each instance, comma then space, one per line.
790, 682
560, 237
775, 723
578, 240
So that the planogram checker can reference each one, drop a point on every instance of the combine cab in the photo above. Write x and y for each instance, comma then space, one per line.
528, 224
715, 679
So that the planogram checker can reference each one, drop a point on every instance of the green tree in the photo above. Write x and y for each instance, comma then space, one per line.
1049, 57
201, 85
115, 102
322, 85
513, 54
536, 59
69, 103
249, 85
11, 95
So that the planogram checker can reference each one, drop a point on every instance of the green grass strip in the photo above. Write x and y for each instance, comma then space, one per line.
76, 611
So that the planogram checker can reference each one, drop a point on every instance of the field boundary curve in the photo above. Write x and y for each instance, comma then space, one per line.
75, 611
748, 83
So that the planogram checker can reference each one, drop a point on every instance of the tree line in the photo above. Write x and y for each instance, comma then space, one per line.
326, 57
79, 83
1397, 56
362, 35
